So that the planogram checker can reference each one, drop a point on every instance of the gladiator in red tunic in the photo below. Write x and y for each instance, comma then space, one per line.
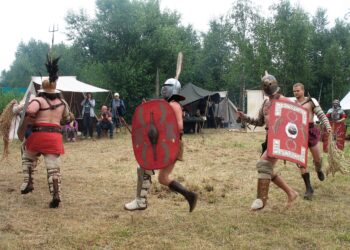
43, 136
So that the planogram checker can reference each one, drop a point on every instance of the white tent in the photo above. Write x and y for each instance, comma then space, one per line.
72, 90
255, 99
345, 102
69, 85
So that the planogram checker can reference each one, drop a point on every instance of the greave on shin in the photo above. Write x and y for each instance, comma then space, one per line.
144, 182
53, 179
191, 197
262, 194
28, 165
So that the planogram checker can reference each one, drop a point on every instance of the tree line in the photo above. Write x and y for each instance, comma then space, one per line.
129, 44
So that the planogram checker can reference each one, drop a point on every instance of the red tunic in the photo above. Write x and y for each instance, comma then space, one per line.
45, 142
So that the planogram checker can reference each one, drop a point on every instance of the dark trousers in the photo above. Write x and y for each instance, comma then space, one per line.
116, 122
87, 124
70, 133
104, 125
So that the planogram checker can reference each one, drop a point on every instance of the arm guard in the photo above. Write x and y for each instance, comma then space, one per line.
259, 121
322, 117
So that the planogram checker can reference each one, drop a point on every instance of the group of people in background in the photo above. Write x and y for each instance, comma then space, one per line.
107, 119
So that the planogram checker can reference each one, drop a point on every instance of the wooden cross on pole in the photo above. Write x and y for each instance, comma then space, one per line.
53, 30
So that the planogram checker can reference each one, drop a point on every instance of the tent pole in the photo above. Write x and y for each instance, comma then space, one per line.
71, 99
206, 111
109, 94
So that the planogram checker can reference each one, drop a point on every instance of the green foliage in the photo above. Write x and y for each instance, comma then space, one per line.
122, 48
127, 42
5, 99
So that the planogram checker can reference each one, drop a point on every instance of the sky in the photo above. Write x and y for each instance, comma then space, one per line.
22, 20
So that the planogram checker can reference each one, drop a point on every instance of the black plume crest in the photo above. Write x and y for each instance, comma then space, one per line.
52, 68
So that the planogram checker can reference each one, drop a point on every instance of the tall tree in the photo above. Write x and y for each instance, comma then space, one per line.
242, 19
215, 56
291, 49
128, 41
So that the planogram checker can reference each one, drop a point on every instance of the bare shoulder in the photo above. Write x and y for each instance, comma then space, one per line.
175, 105
309, 106
37, 99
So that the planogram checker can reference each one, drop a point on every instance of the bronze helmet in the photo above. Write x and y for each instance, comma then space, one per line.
269, 84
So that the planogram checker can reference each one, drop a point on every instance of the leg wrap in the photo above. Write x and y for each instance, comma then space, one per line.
265, 169
28, 165
53, 174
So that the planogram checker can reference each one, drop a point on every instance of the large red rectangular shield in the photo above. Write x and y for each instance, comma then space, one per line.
339, 132
288, 132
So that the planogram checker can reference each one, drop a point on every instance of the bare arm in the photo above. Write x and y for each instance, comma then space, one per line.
178, 113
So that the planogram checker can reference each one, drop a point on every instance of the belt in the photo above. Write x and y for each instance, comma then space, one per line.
50, 129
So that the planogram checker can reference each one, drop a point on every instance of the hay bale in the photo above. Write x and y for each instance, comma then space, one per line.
5, 126
336, 158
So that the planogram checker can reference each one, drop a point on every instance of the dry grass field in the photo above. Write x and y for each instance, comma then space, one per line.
99, 176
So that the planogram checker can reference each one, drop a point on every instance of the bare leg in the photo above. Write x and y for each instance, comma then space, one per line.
291, 193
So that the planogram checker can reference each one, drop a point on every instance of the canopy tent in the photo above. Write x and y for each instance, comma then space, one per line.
71, 84
345, 102
212, 104
194, 93
72, 90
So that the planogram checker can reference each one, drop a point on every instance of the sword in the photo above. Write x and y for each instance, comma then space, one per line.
239, 120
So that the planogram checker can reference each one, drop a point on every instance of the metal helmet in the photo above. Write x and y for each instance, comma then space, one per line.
170, 87
336, 102
269, 84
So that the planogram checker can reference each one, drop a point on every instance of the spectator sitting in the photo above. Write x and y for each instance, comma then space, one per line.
71, 128
104, 122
